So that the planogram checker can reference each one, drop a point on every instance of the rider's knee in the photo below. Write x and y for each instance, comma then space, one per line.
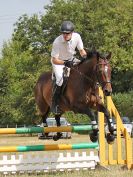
59, 81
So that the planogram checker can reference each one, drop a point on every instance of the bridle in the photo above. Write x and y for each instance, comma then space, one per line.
103, 63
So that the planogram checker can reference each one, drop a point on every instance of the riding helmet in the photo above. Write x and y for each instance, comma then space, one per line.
67, 27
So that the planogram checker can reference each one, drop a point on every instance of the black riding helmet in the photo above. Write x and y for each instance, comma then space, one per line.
67, 27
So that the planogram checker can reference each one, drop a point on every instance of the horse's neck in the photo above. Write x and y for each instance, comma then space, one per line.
88, 68
84, 74
83, 79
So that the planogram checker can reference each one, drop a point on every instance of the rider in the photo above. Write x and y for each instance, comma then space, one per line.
63, 51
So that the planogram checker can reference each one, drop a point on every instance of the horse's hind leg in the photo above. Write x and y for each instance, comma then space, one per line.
44, 110
59, 134
44, 117
44, 124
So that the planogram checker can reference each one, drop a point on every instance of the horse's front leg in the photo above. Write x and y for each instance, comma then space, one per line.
43, 124
109, 121
95, 130
58, 135
110, 136
86, 110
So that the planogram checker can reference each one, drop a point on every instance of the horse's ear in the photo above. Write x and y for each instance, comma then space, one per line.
109, 56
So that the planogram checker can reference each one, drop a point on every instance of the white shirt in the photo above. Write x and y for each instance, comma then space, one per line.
65, 50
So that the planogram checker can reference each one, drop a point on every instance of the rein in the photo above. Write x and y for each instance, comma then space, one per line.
96, 69
82, 74
96, 85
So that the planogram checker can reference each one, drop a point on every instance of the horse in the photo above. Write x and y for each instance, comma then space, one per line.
81, 92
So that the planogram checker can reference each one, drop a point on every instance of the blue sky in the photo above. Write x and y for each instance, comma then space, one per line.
11, 10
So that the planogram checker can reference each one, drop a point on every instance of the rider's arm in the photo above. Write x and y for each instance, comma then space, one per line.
82, 53
57, 61
55, 54
81, 47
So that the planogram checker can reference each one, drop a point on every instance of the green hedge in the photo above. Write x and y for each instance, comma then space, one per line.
124, 103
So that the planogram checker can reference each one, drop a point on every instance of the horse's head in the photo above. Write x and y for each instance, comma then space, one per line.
97, 67
103, 71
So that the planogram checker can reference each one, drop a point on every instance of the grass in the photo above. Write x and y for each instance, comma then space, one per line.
109, 171
113, 172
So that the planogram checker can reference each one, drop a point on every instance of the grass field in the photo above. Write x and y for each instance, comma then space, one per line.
110, 171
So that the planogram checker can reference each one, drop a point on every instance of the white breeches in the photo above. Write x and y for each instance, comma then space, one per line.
58, 71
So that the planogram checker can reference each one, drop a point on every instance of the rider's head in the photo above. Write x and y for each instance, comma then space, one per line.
66, 29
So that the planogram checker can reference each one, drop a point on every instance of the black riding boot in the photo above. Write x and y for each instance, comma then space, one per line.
56, 100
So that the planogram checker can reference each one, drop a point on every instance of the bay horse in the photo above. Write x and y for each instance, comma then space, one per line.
81, 92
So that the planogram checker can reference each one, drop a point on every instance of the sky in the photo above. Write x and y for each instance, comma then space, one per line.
11, 10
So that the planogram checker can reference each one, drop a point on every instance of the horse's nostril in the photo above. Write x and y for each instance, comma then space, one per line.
107, 93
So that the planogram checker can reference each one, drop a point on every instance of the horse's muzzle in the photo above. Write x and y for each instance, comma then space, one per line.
107, 89
107, 93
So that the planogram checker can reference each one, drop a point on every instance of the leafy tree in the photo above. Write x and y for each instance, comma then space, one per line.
124, 104
103, 24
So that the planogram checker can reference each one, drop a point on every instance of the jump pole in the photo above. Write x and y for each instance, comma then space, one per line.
49, 147
26, 130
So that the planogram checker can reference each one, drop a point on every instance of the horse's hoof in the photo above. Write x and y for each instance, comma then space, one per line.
110, 138
93, 137
95, 132
112, 129
57, 137
42, 137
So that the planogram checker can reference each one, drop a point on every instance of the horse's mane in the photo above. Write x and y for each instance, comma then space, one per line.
90, 56
94, 54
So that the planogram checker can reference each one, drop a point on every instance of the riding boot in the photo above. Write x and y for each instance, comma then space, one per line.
56, 100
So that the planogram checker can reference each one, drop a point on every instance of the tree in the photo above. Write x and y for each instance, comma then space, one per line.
103, 24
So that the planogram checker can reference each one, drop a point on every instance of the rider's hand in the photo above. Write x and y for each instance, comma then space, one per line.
69, 64
83, 58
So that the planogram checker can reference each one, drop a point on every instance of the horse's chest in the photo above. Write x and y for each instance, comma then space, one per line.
87, 97
90, 97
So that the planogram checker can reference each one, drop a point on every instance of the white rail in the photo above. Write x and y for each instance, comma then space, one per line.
11, 164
